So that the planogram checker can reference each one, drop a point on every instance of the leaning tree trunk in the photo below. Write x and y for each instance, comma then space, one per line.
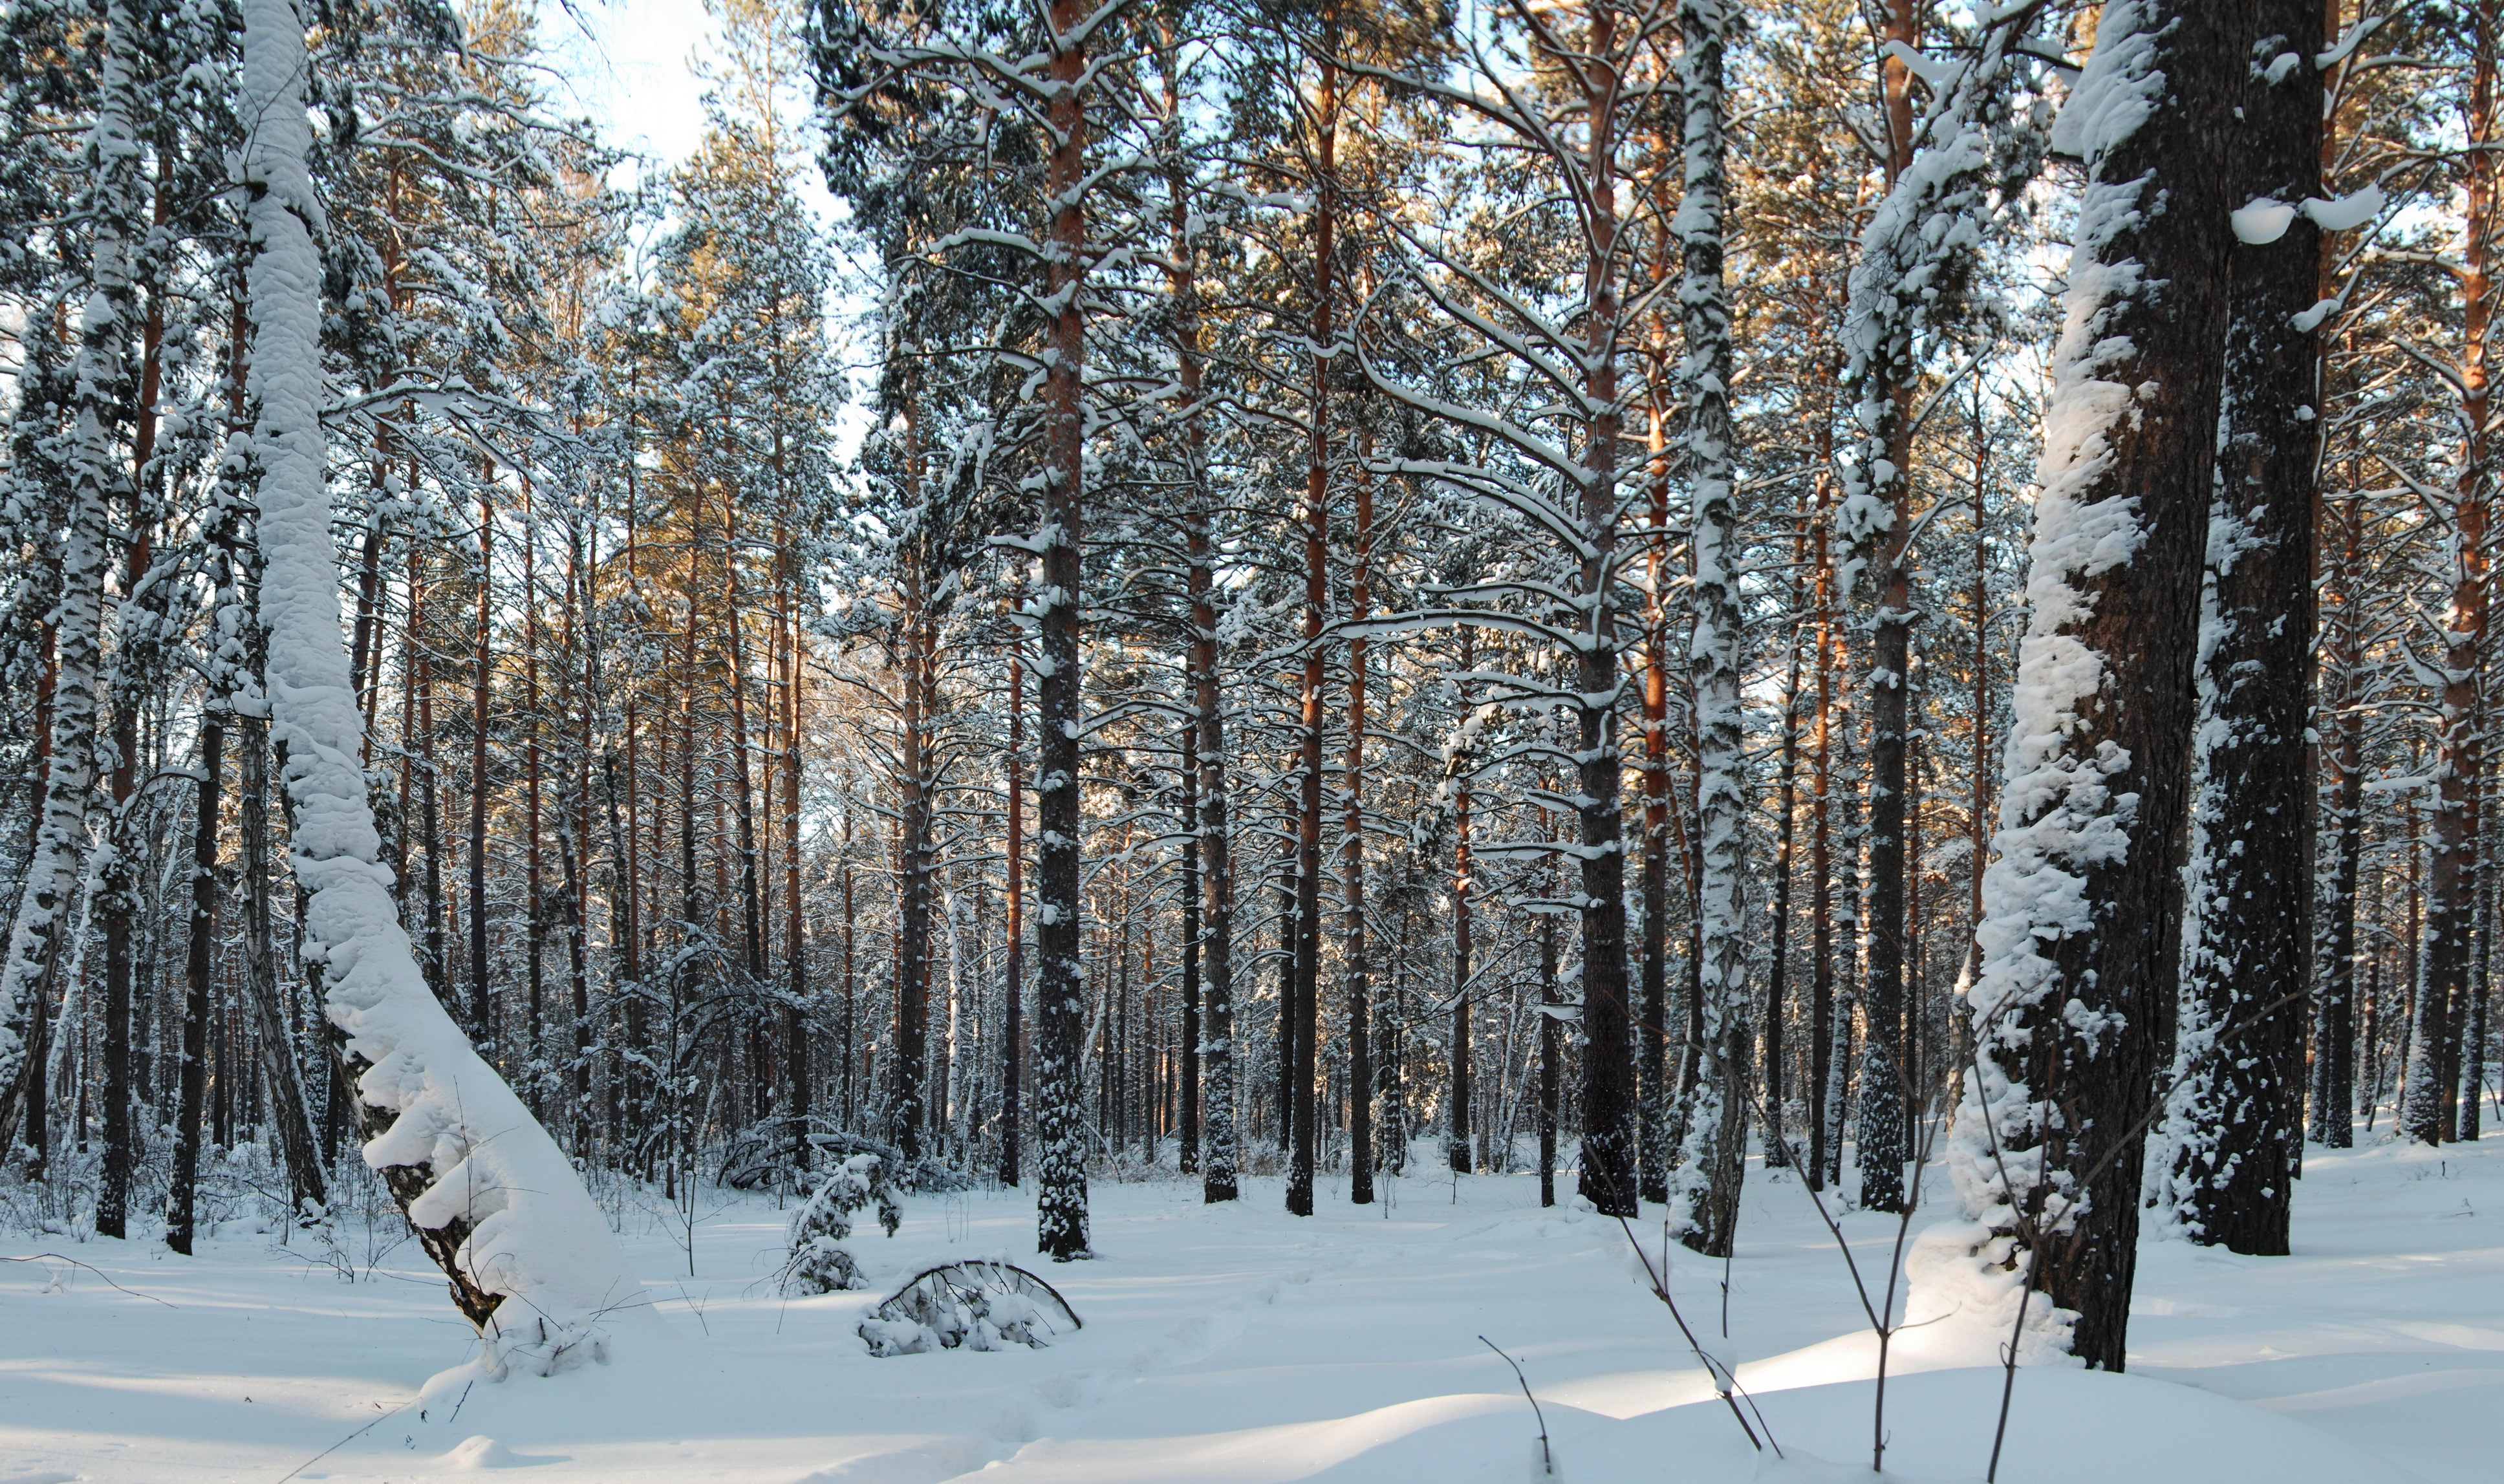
1705, 1189
495, 1202
2073, 1007
2247, 973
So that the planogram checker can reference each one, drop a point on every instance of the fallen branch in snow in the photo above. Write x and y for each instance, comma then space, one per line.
1546, 1454
1726, 1381
53, 1256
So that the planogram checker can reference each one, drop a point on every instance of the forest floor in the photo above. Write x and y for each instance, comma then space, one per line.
1243, 1345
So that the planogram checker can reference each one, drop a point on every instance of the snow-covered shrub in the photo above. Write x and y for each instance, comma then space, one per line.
977, 1305
818, 1261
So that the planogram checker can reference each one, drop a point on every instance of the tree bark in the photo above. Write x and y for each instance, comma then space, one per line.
1061, 1087
2451, 878
1316, 525
1705, 1198
2334, 1038
2073, 1004
2245, 976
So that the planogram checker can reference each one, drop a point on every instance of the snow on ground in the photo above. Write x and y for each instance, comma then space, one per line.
1242, 1345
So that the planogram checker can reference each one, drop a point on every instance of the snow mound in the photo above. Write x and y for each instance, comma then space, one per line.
480, 1452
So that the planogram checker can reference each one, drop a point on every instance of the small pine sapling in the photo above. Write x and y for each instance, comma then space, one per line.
818, 1261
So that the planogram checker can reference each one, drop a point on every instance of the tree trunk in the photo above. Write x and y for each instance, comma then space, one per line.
2451, 880
1608, 1092
96, 477
1060, 1083
1215, 842
510, 1218
2245, 976
1315, 514
2074, 1000
1013, 1034
1889, 396
2334, 1038
1360, 1046
1456, 1099
198, 981
1705, 1200
1550, 1008
1822, 1127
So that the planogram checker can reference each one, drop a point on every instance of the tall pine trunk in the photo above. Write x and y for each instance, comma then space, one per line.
2334, 1034
1305, 1010
2245, 973
2073, 1007
2452, 880
1060, 1075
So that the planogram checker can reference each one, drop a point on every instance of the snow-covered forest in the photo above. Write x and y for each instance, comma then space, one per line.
1850, 628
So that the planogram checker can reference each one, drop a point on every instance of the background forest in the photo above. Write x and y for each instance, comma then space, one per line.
1299, 587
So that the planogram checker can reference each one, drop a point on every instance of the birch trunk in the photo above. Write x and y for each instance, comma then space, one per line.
1705, 1193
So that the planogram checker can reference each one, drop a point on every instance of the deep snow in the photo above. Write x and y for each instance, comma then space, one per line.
1240, 1344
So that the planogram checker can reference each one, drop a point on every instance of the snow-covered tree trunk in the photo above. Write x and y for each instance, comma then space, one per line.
1704, 1193
1314, 517
1946, 176
1876, 514
2343, 729
495, 1202
1356, 974
1609, 1103
99, 400
2236, 1111
1061, 1096
2428, 1114
139, 626
2073, 1007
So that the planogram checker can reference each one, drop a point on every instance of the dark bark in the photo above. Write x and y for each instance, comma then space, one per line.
2089, 1041
1360, 1040
1215, 845
1013, 1032
2334, 1039
1308, 792
198, 981
1882, 1144
2248, 977
1060, 1083
1608, 1092
2451, 877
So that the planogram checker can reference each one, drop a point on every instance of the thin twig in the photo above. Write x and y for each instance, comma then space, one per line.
1546, 1455
53, 1256
1724, 1379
